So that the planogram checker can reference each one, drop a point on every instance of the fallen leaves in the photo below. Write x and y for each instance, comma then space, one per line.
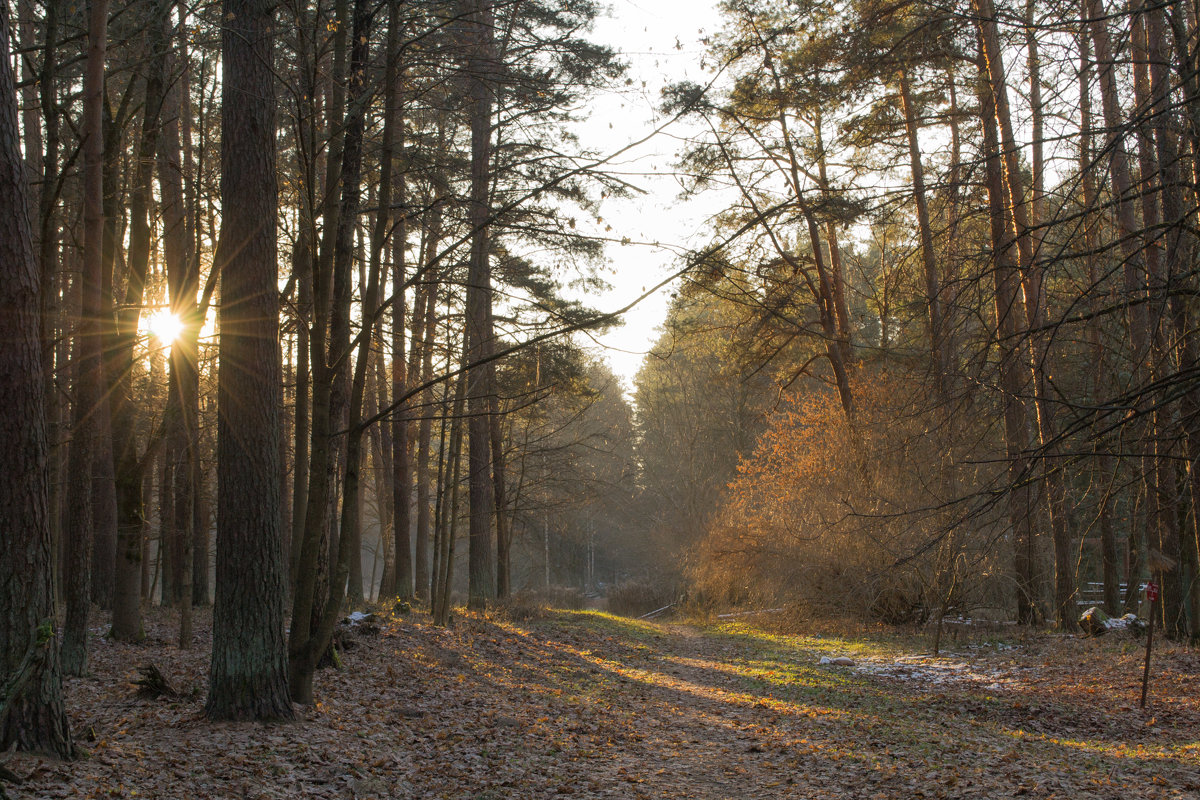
586, 705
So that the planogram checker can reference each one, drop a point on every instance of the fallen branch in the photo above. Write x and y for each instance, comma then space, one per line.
656, 613
750, 613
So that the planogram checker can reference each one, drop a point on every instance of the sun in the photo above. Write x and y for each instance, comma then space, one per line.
165, 326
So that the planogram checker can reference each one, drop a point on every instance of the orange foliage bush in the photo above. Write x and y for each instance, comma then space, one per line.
848, 517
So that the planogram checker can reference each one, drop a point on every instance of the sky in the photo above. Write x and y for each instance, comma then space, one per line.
659, 39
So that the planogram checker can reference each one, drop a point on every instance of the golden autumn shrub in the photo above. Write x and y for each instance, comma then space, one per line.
861, 517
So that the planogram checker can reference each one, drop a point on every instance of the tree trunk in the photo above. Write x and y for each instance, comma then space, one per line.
248, 676
329, 327
480, 68
426, 322
443, 584
937, 327
90, 420
127, 620
312, 626
32, 718
1035, 313
381, 448
183, 383
106, 530
845, 329
393, 126
1180, 249
1103, 377
1009, 318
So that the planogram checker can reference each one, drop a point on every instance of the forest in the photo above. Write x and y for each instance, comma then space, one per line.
301, 403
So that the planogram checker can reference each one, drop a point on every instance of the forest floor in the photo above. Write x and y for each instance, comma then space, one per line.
590, 705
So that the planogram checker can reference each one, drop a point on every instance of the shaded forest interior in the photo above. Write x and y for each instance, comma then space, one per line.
297, 305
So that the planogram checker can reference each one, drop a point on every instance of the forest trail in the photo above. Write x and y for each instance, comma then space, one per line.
590, 705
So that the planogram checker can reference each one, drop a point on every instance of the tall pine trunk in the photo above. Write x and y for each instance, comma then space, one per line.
248, 675
1103, 377
89, 416
312, 623
32, 717
1010, 316
1035, 314
480, 69
127, 621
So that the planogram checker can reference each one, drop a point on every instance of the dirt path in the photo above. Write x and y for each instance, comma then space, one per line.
593, 706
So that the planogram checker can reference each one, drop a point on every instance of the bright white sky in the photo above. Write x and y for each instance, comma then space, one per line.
660, 41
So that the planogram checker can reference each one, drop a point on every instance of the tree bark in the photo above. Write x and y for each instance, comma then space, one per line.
1103, 377
1009, 318
131, 515
34, 718
480, 67
312, 625
89, 416
1035, 313
248, 676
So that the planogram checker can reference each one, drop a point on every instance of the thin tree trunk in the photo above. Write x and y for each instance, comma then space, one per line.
90, 422
183, 384
381, 445
842, 311
444, 585
1009, 318
1103, 376
1035, 313
127, 620
427, 321
480, 67
937, 326
310, 595
312, 627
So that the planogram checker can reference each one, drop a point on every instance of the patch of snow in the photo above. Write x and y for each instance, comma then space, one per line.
839, 661
931, 671
1121, 623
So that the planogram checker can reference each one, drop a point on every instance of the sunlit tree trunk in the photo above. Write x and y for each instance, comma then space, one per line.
1010, 316
837, 273
935, 317
1035, 313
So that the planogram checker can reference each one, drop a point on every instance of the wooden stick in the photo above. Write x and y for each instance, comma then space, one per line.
1149, 641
